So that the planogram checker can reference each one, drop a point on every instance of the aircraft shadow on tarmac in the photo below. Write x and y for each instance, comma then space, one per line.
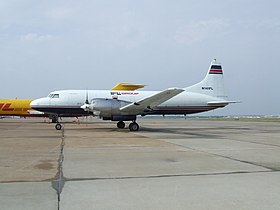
198, 133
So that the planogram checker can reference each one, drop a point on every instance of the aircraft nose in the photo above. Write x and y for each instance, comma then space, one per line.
35, 103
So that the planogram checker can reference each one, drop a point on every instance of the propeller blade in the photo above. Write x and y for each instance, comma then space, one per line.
87, 102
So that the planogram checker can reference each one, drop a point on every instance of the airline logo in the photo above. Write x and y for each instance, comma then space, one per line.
215, 69
124, 93
6, 107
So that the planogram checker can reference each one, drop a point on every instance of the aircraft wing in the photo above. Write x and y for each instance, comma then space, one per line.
152, 101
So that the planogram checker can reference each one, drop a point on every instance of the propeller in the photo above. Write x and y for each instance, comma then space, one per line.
86, 104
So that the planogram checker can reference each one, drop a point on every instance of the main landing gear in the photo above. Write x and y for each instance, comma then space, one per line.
132, 126
121, 124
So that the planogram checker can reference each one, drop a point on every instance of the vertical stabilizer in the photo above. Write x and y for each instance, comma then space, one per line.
212, 84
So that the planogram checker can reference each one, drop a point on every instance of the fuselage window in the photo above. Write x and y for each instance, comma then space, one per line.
53, 96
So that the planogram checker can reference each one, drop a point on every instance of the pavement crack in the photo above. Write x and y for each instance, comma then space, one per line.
59, 181
166, 176
223, 156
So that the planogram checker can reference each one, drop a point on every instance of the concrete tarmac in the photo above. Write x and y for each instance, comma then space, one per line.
168, 164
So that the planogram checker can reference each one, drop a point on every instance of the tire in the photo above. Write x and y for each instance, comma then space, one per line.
133, 126
58, 126
121, 124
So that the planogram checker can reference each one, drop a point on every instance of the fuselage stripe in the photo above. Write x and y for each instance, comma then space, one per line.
216, 71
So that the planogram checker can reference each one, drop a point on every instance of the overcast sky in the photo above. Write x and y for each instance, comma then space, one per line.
51, 45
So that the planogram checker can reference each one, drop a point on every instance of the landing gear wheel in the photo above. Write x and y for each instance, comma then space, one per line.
121, 124
58, 126
133, 126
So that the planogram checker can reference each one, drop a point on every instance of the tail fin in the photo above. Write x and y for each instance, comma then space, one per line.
212, 84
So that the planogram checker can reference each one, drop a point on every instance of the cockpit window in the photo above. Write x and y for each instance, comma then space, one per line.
53, 96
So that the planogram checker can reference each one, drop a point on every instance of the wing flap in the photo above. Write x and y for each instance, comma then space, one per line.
151, 101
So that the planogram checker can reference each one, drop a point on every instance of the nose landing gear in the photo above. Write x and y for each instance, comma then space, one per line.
58, 126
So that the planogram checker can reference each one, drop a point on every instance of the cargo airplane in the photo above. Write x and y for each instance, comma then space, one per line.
122, 104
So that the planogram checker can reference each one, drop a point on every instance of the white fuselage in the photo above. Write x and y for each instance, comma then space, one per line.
70, 101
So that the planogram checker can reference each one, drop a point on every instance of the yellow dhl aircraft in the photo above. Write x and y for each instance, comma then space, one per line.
21, 107
18, 107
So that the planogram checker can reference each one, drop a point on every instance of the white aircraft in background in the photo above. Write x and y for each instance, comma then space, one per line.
124, 103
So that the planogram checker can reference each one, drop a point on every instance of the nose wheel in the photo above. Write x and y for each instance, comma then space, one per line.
58, 126
133, 126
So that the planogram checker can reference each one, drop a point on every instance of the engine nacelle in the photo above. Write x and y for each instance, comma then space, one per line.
107, 108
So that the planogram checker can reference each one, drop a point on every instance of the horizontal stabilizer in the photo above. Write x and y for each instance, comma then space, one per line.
152, 101
127, 86
222, 103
